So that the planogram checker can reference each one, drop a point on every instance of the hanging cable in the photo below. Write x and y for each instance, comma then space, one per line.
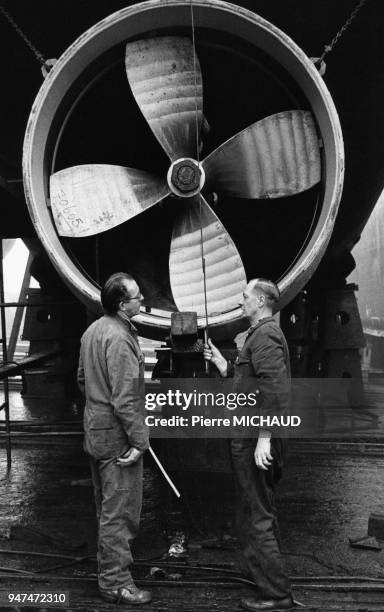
195, 84
39, 56
198, 163
46, 64
319, 61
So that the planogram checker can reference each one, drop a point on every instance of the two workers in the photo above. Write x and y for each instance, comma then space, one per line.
111, 376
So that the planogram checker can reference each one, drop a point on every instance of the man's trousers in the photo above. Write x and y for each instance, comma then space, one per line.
256, 517
118, 497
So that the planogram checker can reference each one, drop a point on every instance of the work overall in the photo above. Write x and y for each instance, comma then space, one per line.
111, 370
263, 364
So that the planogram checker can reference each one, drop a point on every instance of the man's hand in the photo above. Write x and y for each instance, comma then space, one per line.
212, 354
129, 458
263, 457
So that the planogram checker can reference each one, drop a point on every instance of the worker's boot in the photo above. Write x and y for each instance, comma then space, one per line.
267, 605
128, 594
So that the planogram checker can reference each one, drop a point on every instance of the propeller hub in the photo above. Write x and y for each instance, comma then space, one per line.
186, 177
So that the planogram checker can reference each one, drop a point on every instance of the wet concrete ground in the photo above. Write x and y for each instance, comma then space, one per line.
325, 498
328, 491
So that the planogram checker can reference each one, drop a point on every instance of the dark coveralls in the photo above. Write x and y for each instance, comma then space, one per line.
262, 364
111, 375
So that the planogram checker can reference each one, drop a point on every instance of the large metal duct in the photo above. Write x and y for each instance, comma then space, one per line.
112, 134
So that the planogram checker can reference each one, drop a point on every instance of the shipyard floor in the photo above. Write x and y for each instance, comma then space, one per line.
328, 493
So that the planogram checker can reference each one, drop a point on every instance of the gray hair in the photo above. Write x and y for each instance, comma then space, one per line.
114, 291
268, 288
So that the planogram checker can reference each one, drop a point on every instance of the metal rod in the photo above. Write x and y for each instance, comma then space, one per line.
206, 343
42, 423
28, 434
19, 309
198, 163
97, 259
32, 553
162, 470
5, 358
12, 570
338, 578
221, 582
27, 303
171, 583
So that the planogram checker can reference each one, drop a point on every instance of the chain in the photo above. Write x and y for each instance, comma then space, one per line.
39, 56
335, 39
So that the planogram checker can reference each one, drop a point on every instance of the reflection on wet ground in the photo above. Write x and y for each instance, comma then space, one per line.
42, 409
47, 506
327, 494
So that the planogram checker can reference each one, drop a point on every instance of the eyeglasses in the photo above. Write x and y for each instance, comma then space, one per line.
139, 296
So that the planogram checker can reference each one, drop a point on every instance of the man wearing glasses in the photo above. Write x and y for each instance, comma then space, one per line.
111, 376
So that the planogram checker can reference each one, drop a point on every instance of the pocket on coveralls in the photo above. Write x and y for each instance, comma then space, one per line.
244, 379
105, 438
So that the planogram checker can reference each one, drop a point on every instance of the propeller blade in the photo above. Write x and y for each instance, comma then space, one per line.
276, 157
165, 79
225, 274
93, 198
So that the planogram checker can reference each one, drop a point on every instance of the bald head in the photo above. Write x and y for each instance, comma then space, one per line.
118, 287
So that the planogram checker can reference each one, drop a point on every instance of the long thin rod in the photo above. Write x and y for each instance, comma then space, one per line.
5, 359
198, 162
164, 473
206, 331
19, 310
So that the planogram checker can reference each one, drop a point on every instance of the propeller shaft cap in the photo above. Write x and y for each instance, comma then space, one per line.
185, 177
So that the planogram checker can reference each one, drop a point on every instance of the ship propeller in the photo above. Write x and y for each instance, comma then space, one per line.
275, 157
